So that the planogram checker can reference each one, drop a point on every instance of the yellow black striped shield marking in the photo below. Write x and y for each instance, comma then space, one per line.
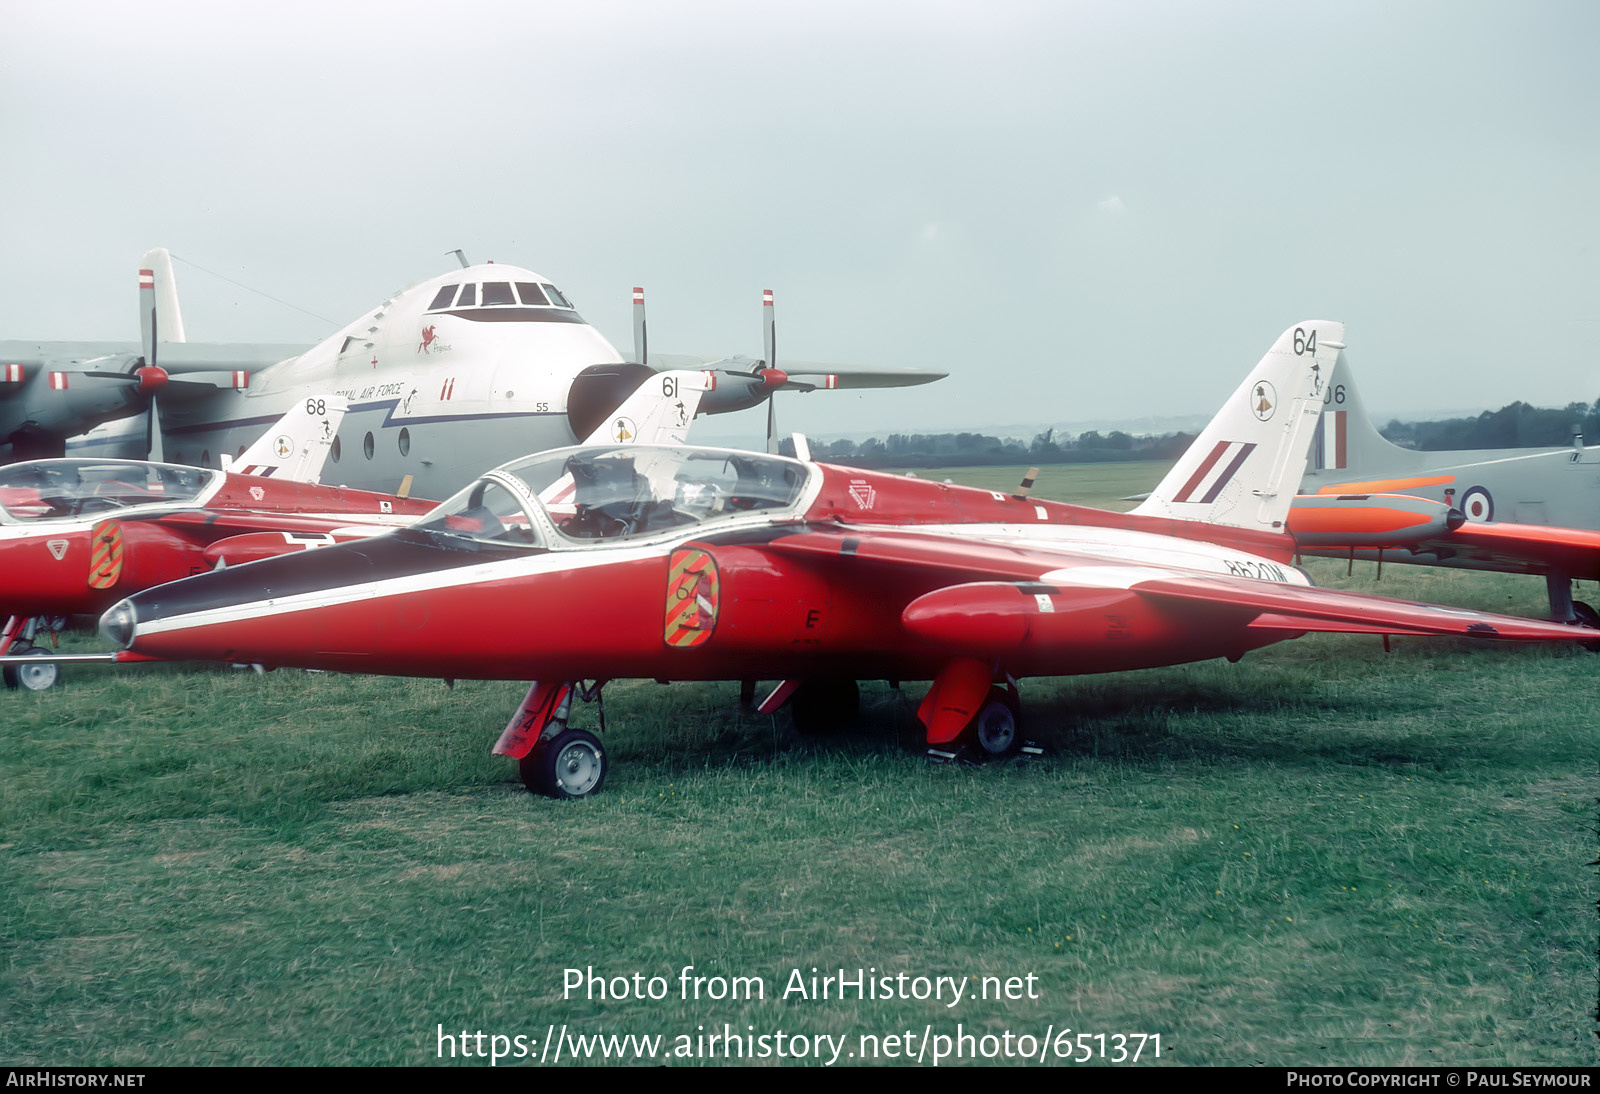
105, 554
692, 586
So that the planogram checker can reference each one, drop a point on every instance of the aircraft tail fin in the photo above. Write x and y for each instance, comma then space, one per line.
1245, 467
658, 412
158, 296
1347, 444
297, 446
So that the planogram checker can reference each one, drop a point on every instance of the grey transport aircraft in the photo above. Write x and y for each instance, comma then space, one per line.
445, 379
1520, 510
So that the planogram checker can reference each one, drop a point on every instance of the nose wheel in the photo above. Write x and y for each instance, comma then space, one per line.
572, 764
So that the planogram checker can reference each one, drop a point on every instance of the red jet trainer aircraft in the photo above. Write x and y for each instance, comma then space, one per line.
77, 535
683, 563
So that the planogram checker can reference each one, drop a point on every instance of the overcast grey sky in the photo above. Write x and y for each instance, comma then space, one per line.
1080, 210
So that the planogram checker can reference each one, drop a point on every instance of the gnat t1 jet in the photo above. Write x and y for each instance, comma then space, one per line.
78, 534
682, 563
1529, 511
454, 375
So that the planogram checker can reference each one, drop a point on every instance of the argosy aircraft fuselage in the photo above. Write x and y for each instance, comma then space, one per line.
466, 367
445, 379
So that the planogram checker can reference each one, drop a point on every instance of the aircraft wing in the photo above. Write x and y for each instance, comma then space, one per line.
175, 357
1518, 548
809, 375
1002, 597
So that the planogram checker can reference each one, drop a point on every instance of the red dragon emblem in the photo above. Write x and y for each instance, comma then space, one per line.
428, 337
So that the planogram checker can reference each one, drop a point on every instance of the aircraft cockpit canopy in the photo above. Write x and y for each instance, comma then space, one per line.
626, 492
499, 294
635, 490
46, 490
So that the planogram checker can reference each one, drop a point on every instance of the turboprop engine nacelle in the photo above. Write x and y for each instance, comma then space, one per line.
81, 393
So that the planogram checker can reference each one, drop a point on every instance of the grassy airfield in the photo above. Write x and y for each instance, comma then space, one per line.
1323, 854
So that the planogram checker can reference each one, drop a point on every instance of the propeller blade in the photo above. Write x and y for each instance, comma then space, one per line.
769, 329
155, 452
772, 426
147, 315
641, 334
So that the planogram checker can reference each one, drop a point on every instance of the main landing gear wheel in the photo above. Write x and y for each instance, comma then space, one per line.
572, 764
824, 707
996, 730
1585, 614
40, 677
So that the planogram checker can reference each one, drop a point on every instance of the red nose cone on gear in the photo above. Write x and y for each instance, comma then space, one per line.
151, 379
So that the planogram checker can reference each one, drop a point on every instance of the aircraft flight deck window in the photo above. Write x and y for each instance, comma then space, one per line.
531, 294
446, 294
555, 296
469, 296
498, 292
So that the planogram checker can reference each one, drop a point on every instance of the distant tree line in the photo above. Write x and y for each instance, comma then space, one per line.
1515, 426
980, 449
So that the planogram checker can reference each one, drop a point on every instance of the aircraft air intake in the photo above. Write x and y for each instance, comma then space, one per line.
600, 389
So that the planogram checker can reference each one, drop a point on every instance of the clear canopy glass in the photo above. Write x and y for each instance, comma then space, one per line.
623, 492
46, 490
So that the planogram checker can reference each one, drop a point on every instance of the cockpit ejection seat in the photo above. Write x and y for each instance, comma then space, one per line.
610, 497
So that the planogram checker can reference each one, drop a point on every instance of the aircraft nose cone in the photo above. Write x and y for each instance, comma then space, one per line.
119, 623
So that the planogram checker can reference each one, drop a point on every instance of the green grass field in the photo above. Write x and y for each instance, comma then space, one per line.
1323, 854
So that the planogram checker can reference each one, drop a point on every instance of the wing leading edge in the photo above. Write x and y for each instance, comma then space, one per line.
995, 616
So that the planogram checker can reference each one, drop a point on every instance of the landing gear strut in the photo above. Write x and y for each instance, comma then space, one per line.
555, 759
969, 716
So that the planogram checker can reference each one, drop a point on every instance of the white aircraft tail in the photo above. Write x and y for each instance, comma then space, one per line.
1346, 439
658, 412
1245, 467
298, 445
158, 295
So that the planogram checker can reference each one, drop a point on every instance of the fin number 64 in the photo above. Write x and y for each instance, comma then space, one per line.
1304, 343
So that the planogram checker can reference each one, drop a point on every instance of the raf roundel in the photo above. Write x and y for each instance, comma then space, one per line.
1478, 505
